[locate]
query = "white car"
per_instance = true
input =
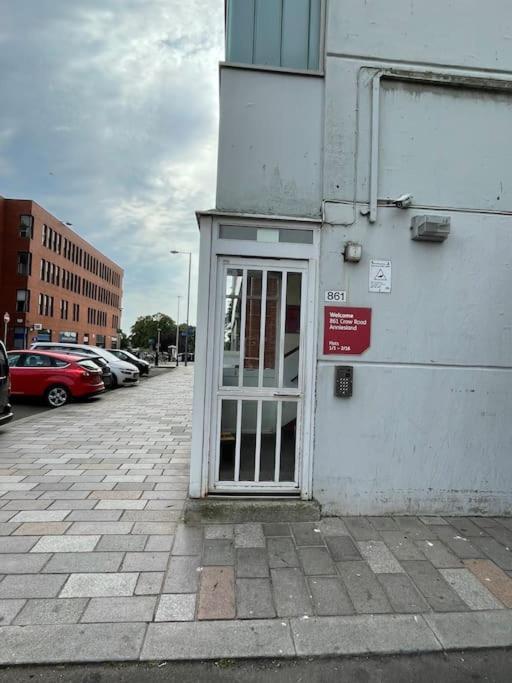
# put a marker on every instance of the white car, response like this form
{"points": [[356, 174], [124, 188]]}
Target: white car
{"points": [[123, 373]]}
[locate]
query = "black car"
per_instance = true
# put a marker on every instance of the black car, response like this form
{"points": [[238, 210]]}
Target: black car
{"points": [[5, 407], [143, 365], [100, 362]]}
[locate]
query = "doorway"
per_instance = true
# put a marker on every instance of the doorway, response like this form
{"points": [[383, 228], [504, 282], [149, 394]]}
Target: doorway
{"points": [[258, 413]]}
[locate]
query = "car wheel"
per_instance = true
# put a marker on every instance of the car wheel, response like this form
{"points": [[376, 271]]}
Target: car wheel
{"points": [[57, 396]]}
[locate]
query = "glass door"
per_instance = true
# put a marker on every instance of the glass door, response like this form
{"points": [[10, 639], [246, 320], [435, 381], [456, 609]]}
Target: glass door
{"points": [[259, 401]]}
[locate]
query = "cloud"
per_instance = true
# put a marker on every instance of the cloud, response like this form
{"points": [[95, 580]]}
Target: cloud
{"points": [[109, 120]]}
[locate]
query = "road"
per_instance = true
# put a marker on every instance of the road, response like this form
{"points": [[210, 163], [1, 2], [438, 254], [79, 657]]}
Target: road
{"points": [[492, 666], [30, 408]]}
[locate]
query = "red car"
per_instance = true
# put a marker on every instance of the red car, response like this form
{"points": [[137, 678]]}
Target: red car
{"points": [[56, 377]]}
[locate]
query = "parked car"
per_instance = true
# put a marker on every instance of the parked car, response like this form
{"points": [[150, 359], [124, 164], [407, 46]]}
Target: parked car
{"points": [[5, 407], [143, 365], [56, 377], [123, 373], [106, 372]]}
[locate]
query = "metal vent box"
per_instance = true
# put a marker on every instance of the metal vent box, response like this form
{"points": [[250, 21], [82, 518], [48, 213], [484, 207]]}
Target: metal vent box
{"points": [[430, 228]]}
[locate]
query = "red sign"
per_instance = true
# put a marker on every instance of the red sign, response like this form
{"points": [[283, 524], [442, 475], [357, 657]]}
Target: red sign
{"points": [[347, 331]]}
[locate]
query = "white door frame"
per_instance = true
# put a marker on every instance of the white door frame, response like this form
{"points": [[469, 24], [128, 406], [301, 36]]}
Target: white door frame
{"points": [[209, 311], [269, 394]]}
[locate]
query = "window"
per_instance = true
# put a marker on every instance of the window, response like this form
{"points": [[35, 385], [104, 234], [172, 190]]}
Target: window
{"points": [[60, 363], [22, 300], [64, 309], [26, 227], [13, 359], [44, 235], [76, 313], [24, 263], [283, 33], [36, 360]]}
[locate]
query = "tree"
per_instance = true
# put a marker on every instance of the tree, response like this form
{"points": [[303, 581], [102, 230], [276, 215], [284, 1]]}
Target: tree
{"points": [[144, 332], [124, 341]]}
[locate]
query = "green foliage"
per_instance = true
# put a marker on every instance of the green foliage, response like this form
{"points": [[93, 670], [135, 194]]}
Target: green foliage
{"points": [[144, 333]]}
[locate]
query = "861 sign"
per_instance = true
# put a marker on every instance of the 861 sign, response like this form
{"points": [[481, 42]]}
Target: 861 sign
{"points": [[335, 296]]}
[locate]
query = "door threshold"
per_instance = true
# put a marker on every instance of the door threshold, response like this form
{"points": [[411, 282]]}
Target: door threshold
{"points": [[237, 509]]}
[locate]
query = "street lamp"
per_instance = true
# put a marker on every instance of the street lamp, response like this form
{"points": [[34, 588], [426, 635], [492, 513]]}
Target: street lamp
{"points": [[189, 253], [158, 318], [177, 330]]}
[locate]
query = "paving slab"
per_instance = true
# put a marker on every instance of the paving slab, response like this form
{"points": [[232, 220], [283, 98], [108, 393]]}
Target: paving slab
{"points": [[472, 629], [71, 643], [254, 599], [149, 583], [249, 535], [437, 554], [498, 553], [183, 575], [491, 576], [70, 563], [379, 557], [8, 610], [51, 611], [282, 553], [31, 585], [361, 529], [403, 595], [365, 592], [329, 597], [178, 607], [307, 533], [99, 585], [129, 609], [188, 540], [277, 529], [66, 544], [362, 634], [145, 562], [218, 552], [291, 594], [216, 598], [22, 563], [218, 640], [430, 582], [252, 563], [458, 544], [316, 561], [342, 548], [470, 589]]}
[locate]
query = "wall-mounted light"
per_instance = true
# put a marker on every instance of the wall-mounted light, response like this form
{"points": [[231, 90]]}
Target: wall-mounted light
{"points": [[352, 252], [430, 228]]}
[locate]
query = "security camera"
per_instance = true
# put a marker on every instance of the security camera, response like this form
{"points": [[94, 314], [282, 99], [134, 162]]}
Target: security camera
{"points": [[403, 202]]}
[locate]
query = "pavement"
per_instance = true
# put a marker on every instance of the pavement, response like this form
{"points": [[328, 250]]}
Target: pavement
{"points": [[26, 407], [96, 565]]}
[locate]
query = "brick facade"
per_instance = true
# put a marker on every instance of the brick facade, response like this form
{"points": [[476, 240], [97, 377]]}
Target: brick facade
{"points": [[53, 283]]}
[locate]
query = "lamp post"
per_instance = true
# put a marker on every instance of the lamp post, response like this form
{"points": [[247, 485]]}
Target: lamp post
{"points": [[178, 330], [189, 253], [158, 319]]}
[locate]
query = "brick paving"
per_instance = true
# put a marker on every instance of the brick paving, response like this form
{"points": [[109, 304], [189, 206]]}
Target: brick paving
{"points": [[91, 498]]}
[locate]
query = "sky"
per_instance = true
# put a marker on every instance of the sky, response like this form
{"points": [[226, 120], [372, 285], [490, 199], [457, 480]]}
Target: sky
{"points": [[108, 119]]}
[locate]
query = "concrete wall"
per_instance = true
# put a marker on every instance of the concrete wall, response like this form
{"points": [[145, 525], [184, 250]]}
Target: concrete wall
{"points": [[428, 427], [270, 143]]}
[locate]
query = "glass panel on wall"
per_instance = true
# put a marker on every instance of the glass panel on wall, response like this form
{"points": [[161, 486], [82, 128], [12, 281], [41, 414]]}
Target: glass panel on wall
{"points": [[248, 440], [288, 440], [228, 440], [252, 328], [268, 440], [232, 326], [291, 348], [272, 330], [283, 33]]}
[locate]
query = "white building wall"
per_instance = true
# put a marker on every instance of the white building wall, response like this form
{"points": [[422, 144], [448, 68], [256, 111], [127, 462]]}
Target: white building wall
{"points": [[270, 143], [428, 428]]}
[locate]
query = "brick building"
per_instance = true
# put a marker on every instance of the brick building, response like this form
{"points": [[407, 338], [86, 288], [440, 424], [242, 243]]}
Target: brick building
{"points": [[54, 285]]}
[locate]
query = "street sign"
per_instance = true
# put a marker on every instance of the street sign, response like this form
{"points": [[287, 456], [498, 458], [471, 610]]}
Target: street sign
{"points": [[7, 318], [347, 331]]}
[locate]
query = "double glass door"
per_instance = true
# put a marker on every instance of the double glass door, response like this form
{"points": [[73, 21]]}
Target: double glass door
{"points": [[259, 390]]}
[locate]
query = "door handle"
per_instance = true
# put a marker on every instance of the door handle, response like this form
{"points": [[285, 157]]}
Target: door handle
{"points": [[279, 394]]}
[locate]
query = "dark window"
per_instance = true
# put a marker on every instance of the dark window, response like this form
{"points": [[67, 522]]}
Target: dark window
{"points": [[13, 359], [24, 263], [26, 227], [59, 363], [22, 300]]}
